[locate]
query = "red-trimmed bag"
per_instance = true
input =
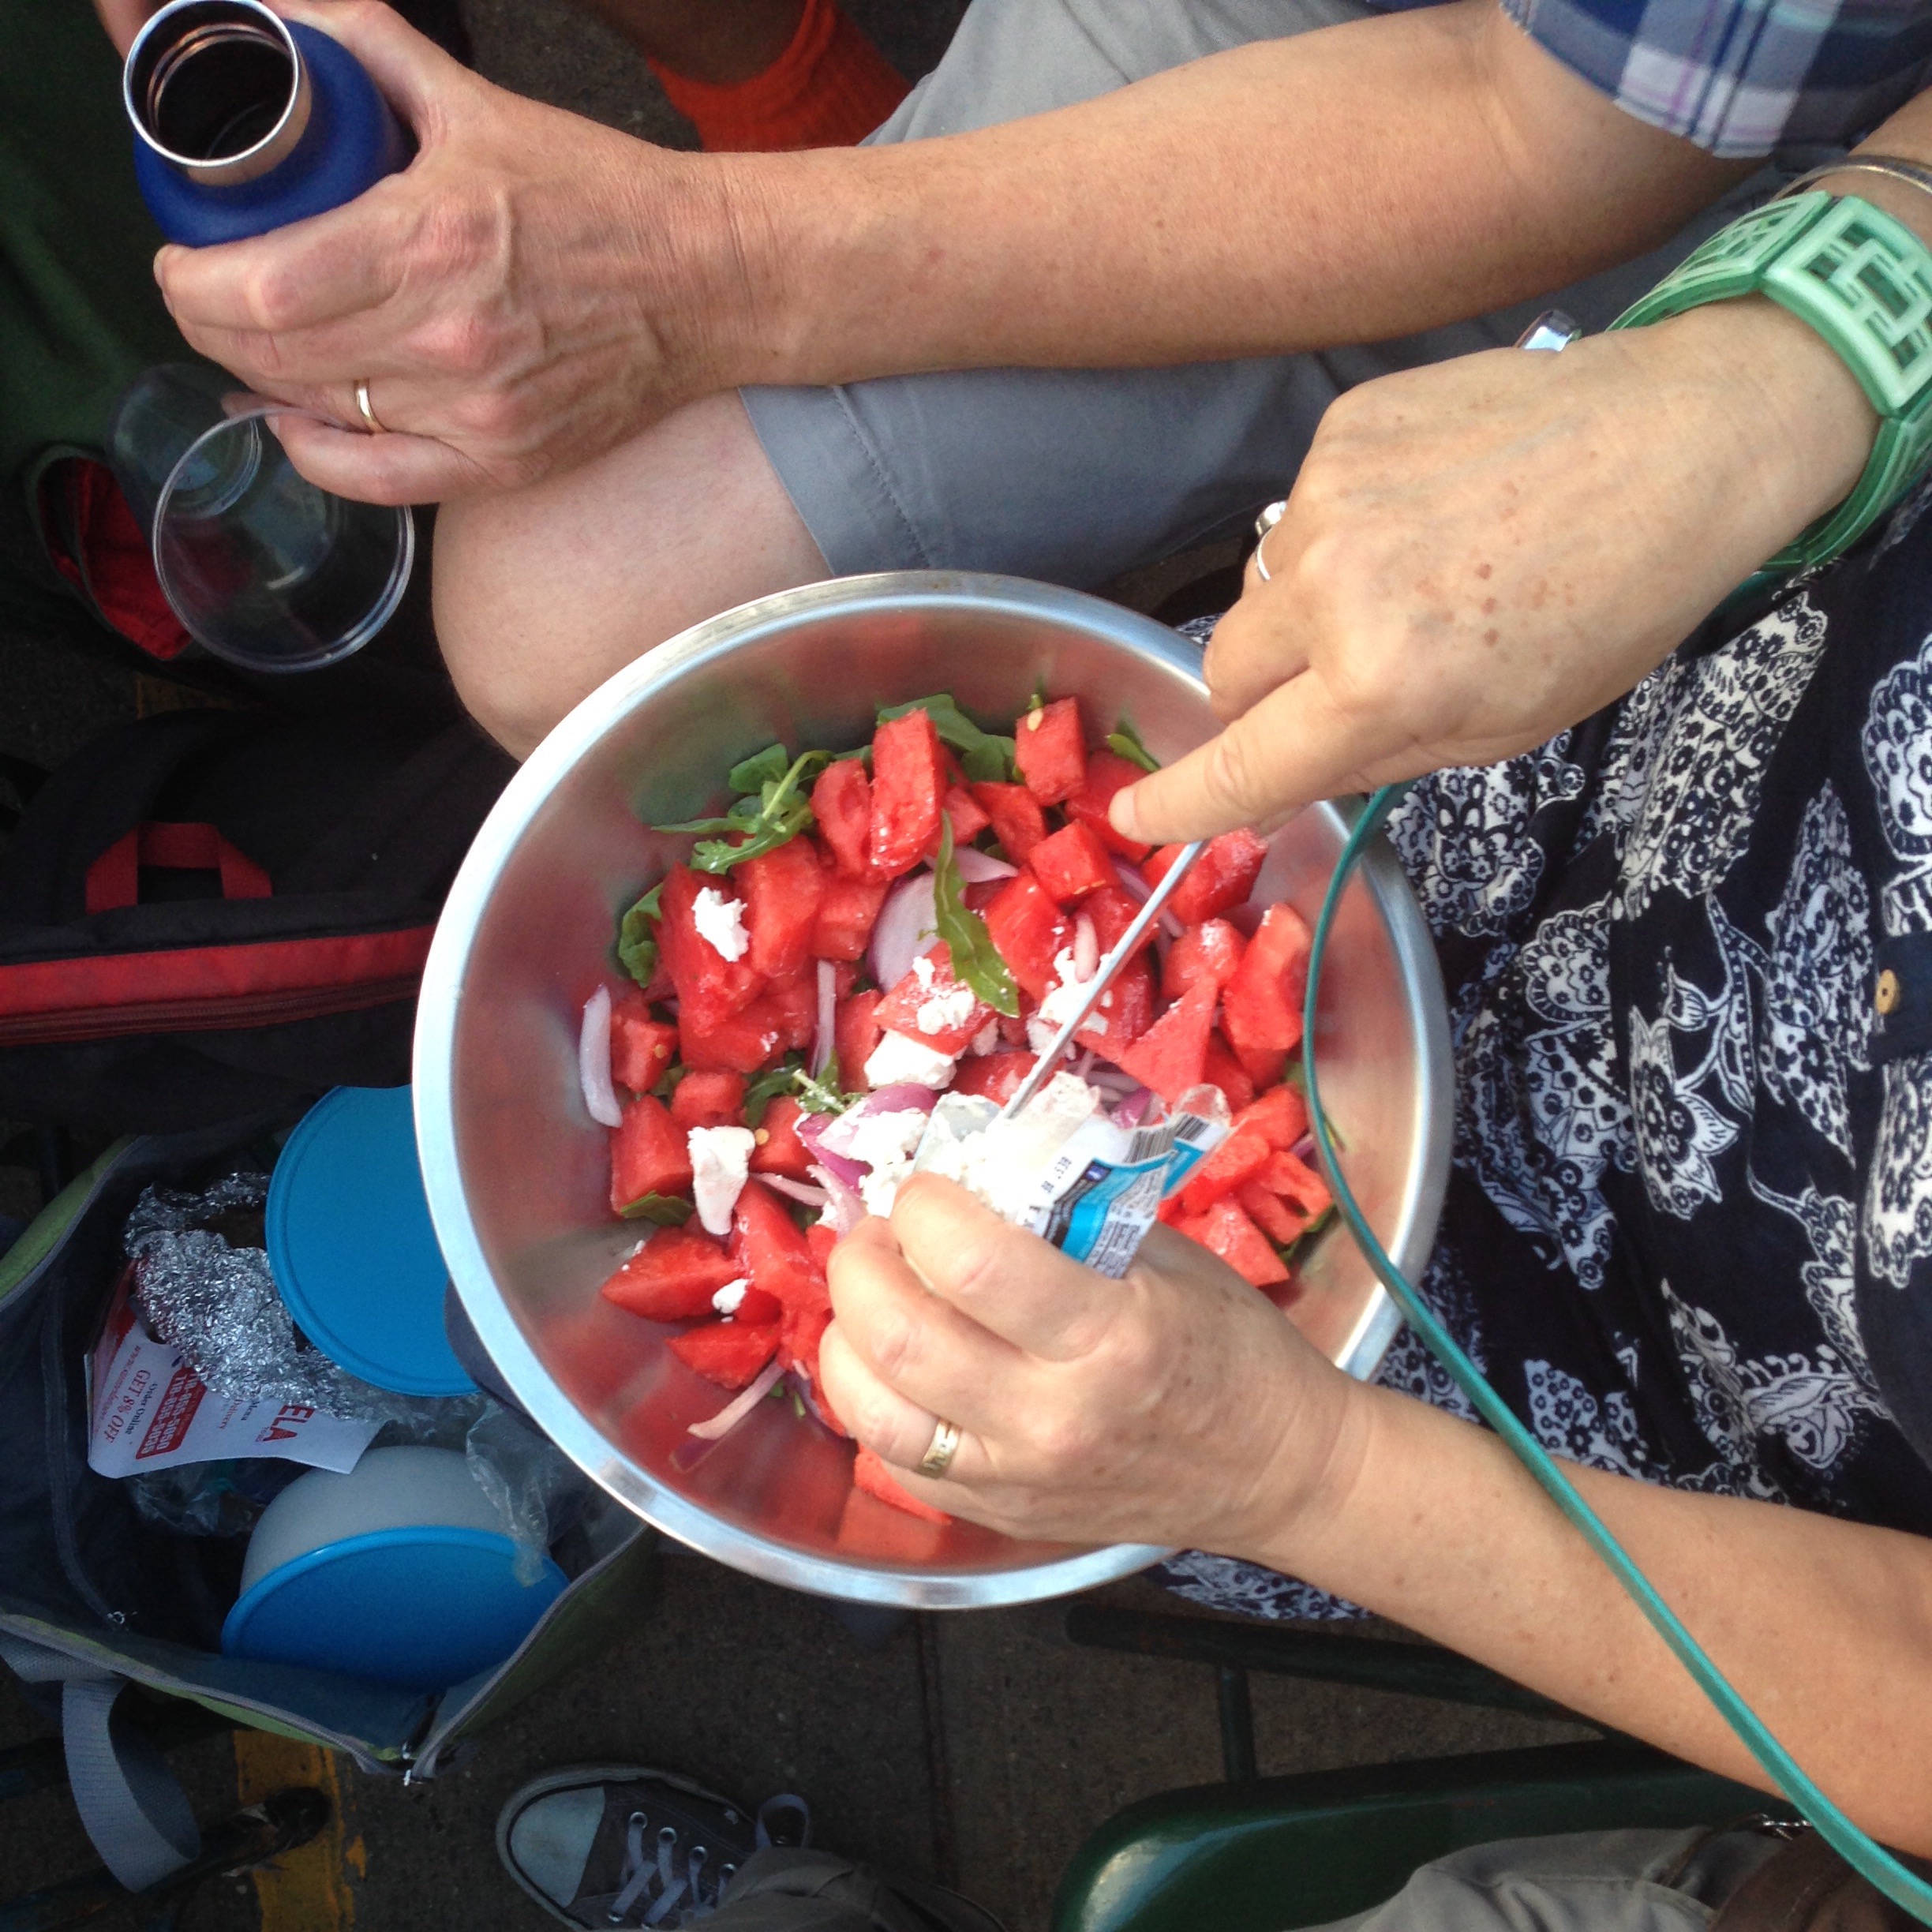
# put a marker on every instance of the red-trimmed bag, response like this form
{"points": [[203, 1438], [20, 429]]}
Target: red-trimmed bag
{"points": [[204, 915]]}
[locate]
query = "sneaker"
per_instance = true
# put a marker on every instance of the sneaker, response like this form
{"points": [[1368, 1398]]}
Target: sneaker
{"points": [[604, 1845]]}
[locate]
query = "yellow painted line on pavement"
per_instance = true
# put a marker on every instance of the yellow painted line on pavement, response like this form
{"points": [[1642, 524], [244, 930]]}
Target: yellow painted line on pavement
{"points": [[307, 1889]]}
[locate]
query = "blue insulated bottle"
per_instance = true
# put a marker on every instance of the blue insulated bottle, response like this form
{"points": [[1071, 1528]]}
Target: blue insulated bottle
{"points": [[243, 121]]}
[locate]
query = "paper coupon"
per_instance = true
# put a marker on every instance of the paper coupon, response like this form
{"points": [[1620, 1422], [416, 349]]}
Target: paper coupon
{"points": [[149, 1410]]}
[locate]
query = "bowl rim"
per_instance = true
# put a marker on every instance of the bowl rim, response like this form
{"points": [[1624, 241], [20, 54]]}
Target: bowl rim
{"points": [[440, 1002]]}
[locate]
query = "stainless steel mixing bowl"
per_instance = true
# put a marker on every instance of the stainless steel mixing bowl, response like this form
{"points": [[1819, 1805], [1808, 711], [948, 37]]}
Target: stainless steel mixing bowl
{"points": [[517, 1173]]}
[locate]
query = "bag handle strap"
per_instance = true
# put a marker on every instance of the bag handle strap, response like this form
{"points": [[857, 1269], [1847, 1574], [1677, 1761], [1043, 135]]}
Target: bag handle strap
{"points": [[136, 1814], [113, 879]]}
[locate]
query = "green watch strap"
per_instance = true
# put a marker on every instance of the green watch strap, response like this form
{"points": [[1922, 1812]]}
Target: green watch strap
{"points": [[1864, 282]]}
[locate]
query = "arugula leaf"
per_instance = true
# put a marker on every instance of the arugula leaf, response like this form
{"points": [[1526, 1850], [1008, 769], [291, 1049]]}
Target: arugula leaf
{"points": [[1291, 1253], [667, 1080], [756, 825], [824, 1094], [764, 1088], [1125, 741], [665, 1210], [975, 959], [985, 757], [749, 777], [637, 944]]}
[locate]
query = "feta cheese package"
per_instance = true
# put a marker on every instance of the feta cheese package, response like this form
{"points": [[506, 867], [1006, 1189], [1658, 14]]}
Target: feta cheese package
{"points": [[1068, 1170]]}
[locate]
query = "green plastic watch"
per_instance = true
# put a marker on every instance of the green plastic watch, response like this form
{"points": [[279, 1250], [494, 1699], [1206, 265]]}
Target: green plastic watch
{"points": [[1864, 282]]}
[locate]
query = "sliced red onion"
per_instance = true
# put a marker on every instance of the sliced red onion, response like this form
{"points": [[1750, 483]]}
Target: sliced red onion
{"points": [[825, 1034], [1086, 949], [844, 1208], [978, 868], [796, 1190], [812, 1130], [1132, 883], [904, 929], [593, 1073], [837, 1136], [741, 1404], [1111, 1081], [1170, 924], [1133, 1110], [1084, 1066], [1304, 1152]]}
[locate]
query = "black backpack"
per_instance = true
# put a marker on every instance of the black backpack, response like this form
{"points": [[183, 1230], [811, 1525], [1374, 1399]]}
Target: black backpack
{"points": [[207, 914]]}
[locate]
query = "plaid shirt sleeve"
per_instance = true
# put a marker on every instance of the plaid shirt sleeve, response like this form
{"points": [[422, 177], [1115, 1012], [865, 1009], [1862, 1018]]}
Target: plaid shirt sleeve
{"points": [[1741, 77]]}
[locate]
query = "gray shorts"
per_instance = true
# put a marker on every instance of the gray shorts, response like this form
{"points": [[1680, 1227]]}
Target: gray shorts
{"points": [[1075, 476]]}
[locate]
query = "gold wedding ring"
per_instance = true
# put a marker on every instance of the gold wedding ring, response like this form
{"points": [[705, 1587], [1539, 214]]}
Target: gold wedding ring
{"points": [[368, 414], [944, 1446]]}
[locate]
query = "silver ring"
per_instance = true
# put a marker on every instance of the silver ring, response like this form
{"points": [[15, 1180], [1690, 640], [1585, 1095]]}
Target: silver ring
{"points": [[1552, 330], [940, 1452], [1263, 523], [376, 428]]}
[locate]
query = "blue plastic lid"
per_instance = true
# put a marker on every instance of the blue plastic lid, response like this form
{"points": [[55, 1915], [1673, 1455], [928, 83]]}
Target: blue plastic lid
{"points": [[421, 1609], [351, 1245]]}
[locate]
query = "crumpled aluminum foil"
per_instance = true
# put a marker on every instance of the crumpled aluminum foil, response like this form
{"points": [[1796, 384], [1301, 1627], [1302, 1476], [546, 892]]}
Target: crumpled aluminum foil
{"points": [[218, 1304]]}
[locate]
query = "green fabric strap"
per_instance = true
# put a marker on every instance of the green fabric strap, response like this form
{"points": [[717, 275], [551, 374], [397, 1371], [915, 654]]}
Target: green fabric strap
{"points": [[1864, 282], [1863, 1853]]}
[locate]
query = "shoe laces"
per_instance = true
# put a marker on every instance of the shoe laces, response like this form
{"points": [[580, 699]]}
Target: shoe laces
{"points": [[650, 1884]]}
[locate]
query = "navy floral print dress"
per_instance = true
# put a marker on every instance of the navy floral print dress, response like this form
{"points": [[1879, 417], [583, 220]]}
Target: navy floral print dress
{"points": [[1687, 947]]}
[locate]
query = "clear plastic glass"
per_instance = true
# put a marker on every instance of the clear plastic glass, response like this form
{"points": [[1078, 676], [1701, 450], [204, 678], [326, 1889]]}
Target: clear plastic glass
{"points": [[264, 569]]}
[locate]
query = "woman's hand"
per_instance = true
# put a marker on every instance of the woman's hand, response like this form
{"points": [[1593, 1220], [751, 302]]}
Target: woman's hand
{"points": [[1480, 552], [526, 293], [1177, 1407]]}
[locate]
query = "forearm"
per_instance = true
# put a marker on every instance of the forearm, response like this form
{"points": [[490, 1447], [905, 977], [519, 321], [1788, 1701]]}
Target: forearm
{"points": [[1345, 185], [1824, 1626]]}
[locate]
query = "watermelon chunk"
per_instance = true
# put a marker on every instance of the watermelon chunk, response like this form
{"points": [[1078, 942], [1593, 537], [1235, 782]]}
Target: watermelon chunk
{"points": [[870, 1474], [1222, 1069], [710, 987], [909, 781], [1018, 822], [1212, 950], [1170, 1055], [1107, 774], [1281, 1115], [740, 1043], [708, 1099], [729, 1353], [1295, 1181], [855, 1035], [1280, 1223], [801, 1331], [1127, 1006], [928, 992], [1222, 876], [995, 1076], [1050, 749], [1225, 1230], [1112, 911], [842, 803], [1262, 1007], [641, 1047], [1239, 1157], [968, 815], [648, 1154], [1071, 863], [793, 1004], [781, 889], [1264, 1065], [769, 1247], [848, 911], [673, 1277], [779, 1150], [1028, 930]]}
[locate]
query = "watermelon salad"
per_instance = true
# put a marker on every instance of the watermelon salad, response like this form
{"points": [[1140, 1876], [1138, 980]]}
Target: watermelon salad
{"points": [[862, 929]]}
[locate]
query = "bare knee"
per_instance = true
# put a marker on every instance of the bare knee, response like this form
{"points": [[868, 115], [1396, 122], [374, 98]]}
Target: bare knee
{"points": [[542, 593]]}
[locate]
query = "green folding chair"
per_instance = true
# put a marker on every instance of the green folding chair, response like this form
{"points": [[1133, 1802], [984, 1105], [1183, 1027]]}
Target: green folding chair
{"points": [[1263, 1855]]}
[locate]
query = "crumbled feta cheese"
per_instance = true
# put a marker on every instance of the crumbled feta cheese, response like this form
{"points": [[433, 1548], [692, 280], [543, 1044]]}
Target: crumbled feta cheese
{"points": [[899, 1058], [1001, 1162], [945, 1011], [720, 1158], [1062, 1002], [986, 1040], [885, 1143], [720, 923], [728, 1297]]}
